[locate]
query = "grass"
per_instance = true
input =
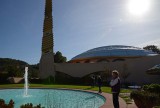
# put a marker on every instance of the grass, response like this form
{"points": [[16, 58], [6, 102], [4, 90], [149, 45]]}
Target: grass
{"points": [[104, 89], [128, 100]]}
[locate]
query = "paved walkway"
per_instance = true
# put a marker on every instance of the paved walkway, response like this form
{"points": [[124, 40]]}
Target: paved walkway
{"points": [[132, 105], [109, 103]]}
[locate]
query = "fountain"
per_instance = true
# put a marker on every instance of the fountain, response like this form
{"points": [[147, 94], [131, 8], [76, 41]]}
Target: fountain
{"points": [[26, 82], [52, 97]]}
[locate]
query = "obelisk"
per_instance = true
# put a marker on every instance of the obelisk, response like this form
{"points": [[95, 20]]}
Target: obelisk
{"points": [[46, 65]]}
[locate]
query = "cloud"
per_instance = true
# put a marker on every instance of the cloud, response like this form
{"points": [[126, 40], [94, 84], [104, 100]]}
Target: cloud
{"points": [[152, 42]]}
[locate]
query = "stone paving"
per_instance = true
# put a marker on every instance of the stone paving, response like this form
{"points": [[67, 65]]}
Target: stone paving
{"points": [[109, 103]]}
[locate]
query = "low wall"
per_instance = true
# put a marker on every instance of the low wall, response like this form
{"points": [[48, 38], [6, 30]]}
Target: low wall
{"points": [[135, 67]]}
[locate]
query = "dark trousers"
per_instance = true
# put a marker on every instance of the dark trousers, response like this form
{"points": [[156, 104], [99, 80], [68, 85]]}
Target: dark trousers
{"points": [[115, 100], [100, 91], [99, 86]]}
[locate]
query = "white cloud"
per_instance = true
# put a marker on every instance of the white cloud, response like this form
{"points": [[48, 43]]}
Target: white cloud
{"points": [[152, 42]]}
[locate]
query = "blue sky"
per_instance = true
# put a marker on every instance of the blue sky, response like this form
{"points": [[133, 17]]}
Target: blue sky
{"points": [[79, 25]]}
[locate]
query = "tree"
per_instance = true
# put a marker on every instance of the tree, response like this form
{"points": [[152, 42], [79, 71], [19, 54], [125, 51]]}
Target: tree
{"points": [[13, 71], [59, 58], [153, 48], [34, 70]]}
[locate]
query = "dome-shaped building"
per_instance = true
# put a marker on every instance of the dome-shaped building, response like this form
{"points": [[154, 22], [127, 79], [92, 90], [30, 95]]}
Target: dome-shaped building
{"points": [[111, 53]]}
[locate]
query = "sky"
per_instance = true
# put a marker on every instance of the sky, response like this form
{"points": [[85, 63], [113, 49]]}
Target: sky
{"points": [[78, 25]]}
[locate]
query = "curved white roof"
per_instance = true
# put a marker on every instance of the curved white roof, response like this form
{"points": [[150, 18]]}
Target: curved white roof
{"points": [[115, 51]]}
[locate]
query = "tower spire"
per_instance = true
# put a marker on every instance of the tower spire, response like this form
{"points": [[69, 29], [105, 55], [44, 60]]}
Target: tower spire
{"points": [[47, 40], [46, 66]]}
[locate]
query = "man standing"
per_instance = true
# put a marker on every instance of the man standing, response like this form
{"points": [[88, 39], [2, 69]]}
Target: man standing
{"points": [[115, 86], [99, 81]]}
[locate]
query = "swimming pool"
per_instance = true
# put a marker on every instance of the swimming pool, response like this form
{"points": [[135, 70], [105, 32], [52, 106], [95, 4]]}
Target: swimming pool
{"points": [[53, 98]]}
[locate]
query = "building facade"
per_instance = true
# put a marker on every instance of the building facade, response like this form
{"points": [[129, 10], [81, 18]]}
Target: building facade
{"points": [[131, 71], [131, 62]]}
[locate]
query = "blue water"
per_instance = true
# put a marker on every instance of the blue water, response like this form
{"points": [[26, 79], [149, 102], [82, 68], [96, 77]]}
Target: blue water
{"points": [[53, 98]]}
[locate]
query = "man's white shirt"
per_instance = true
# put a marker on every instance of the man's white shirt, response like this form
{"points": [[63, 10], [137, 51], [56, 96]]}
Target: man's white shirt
{"points": [[114, 81]]}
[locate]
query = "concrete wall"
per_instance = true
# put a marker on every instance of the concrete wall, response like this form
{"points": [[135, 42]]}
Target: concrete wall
{"points": [[46, 66], [136, 67]]}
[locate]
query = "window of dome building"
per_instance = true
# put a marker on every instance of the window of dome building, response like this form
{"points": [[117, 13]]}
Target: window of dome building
{"points": [[118, 60], [103, 60]]}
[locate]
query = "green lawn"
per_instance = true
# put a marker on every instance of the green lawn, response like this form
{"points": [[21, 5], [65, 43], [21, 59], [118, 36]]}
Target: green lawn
{"points": [[104, 89]]}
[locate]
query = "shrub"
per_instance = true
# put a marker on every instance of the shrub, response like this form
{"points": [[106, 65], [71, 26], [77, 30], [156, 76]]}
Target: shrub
{"points": [[156, 107], [30, 105], [49, 80], [153, 88], [4, 105], [148, 97]]}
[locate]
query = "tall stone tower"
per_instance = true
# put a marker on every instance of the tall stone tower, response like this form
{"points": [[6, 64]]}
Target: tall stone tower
{"points": [[47, 58]]}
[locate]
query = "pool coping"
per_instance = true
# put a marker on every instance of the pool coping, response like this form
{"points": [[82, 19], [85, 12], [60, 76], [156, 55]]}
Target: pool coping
{"points": [[108, 97]]}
